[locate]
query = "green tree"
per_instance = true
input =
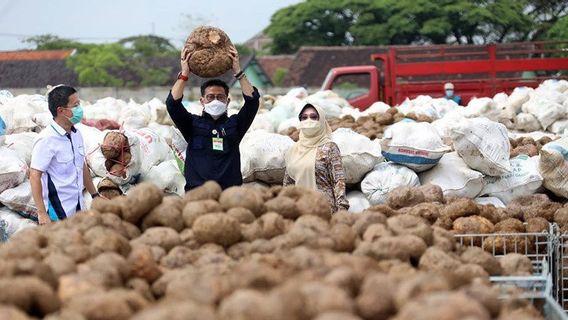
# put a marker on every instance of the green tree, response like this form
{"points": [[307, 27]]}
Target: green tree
{"points": [[149, 46], [244, 51], [545, 14], [314, 22], [95, 67], [53, 42], [278, 77], [385, 22], [559, 30], [131, 61]]}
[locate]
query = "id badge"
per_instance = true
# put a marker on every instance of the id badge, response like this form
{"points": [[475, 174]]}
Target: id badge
{"points": [[218, 144]]}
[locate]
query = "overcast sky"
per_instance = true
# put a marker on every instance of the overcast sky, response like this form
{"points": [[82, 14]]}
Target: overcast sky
{"points": [[110, 20]]}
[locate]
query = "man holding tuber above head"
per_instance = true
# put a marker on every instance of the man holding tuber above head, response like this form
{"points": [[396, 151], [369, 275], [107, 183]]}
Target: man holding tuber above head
{"points": [[213, 138]]}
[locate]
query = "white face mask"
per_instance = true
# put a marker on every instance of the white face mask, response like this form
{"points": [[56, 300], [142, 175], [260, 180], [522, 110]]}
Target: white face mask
{"points": [[216, 108], [309, 127]]}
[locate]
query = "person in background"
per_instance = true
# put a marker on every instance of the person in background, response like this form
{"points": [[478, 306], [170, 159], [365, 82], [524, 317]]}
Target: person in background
{"points": [[449, 90], [58, 171], [213, 138], [314, 162]]}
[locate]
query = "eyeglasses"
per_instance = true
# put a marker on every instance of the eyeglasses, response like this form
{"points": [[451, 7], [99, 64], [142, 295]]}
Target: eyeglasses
{"points": [[220, 97], [312, 116], [72, 107]]}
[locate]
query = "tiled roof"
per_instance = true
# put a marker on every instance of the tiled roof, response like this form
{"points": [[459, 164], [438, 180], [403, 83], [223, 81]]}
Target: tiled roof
{"points": [[35, 74], [312, 64], [35, 55], [271, 63]]}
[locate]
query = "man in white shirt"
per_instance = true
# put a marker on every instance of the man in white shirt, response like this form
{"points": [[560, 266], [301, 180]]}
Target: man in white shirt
{"points": [[58, 171]]}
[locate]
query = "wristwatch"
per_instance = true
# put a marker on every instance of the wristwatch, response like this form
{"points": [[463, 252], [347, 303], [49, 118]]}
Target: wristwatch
{"points": [[182, 77]]}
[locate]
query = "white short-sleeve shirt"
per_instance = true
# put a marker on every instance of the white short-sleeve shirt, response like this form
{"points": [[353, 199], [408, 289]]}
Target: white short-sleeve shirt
{"points": [[60, 156]]}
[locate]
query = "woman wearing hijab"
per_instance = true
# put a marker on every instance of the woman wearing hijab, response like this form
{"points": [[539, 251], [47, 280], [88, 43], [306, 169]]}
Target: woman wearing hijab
{"points": [[314, 162]]}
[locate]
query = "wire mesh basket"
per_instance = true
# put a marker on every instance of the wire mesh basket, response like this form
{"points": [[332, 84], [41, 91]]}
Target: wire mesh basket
{"points": [[538, 247], [533, 286], [549, 308], [561, 270]]}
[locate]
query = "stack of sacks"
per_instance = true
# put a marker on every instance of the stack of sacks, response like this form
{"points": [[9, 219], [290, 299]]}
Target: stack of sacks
{"points": [[20, 112], [107, 108], [262, 157], [553, 166], [159, 113], [358, 153], [135, 116], [416, 145], [384, 178], [435, 108], [124, 157], [543, 108], [285, 109]]}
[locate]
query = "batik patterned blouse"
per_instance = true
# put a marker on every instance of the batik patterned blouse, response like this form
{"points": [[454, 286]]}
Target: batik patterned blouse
{"points": [[330, 176]]}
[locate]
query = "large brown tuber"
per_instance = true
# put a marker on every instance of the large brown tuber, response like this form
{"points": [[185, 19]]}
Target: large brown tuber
{"points": [[248, 198], [208, 48], [140, 201], [210, 190], [166, 214], [405, 197], [217, 228]]}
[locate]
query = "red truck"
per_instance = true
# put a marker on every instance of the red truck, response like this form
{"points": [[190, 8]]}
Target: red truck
{"points": [[402, 72]]}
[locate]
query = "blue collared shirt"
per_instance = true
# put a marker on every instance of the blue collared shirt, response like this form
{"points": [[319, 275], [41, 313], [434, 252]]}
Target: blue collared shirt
{"points": [[60, 156]]}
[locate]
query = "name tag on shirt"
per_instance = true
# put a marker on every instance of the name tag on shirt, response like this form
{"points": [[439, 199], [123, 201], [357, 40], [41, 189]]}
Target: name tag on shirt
{"points": [[218, 144]]}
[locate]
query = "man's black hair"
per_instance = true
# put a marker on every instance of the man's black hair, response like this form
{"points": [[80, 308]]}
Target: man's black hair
{"points": [[214, 83], [59, 97]]}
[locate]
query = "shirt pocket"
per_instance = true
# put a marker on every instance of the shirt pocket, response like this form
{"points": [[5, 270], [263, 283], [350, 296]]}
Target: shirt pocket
{"points": [[81, 157], [64, 163], [230, 137]]}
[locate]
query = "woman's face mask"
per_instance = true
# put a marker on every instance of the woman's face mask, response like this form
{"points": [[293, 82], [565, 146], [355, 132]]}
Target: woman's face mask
{"points": [[309, 127], [449, 92], [216, 108]]}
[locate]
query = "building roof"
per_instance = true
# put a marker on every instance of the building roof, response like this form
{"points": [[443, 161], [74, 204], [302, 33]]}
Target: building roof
{"points": [[19, 70], [35, 68], [258, 42], [27, 55], [272, 63], [35, 74], [312, 64]]}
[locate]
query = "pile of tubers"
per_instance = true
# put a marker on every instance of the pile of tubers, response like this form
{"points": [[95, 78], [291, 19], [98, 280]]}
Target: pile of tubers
{"points": [[258, 253]]}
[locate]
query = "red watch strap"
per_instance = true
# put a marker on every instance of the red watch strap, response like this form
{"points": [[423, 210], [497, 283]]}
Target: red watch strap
{"points": [[182, 77]]}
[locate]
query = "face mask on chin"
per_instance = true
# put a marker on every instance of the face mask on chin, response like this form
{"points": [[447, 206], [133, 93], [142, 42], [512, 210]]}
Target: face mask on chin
{"points": [[215, 108], [309, 127]]}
